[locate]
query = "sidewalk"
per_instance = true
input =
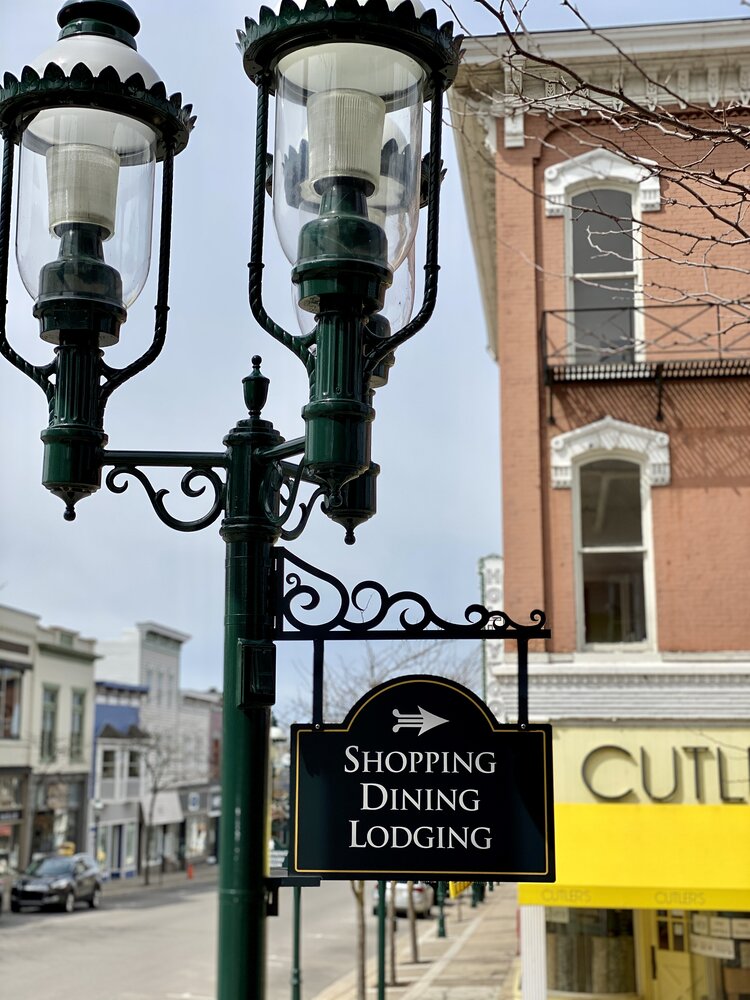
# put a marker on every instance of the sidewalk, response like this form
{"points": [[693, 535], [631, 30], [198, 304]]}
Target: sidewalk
{"points": [[471, 963], [168, 880]]}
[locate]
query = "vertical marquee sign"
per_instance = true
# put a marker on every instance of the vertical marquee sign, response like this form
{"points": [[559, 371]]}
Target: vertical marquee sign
{"points": [[421, 780]]}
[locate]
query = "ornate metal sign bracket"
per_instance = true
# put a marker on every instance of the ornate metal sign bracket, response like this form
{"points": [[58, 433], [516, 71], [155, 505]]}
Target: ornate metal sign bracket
{"points": [[364, 612]]}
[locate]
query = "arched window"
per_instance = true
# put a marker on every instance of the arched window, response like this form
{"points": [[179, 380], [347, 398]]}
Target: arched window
{"points": [[611, 551], [612, 467], [602, 275], [602, 196]]}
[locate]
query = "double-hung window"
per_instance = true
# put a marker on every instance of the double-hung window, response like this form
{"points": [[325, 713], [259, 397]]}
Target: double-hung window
{"points": [[48, 743], [77, 715], [602, 196], [612, 551], [603, 277], [612, 468], [109, 758]]}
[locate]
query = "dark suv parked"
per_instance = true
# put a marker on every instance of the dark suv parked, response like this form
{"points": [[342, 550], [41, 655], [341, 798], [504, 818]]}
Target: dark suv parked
{"points": [[58, 881]]}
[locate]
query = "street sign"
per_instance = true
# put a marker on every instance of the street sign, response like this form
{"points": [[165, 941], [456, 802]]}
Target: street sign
{"points": [[421, 780]]}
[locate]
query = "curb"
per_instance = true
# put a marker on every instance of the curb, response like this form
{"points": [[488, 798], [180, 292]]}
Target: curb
{"points": [[206, 874]]}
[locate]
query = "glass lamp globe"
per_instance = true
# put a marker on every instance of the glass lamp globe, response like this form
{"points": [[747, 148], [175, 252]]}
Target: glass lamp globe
{"points": [[348, 113], [86, 175]]}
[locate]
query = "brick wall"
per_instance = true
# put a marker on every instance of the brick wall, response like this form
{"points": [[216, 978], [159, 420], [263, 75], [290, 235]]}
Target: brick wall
{"points": [[701, 549]]}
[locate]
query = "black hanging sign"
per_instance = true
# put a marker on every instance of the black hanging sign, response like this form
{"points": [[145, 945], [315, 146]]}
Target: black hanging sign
{"points": [[420, 780]]}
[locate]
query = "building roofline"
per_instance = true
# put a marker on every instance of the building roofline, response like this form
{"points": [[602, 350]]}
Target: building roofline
{"points": [[121, 686], [213, 697], [484, 103], [652, 40], [165, 630]]}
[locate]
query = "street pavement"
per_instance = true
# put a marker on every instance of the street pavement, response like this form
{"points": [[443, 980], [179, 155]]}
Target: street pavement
{"points": [[473, 962]]}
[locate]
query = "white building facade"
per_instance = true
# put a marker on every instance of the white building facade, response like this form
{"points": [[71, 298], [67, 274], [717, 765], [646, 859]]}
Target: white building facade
{"points": [[46, 725], [178, 794]]}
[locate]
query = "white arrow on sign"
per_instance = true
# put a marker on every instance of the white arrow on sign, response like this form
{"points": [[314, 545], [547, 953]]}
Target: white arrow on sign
{"points": [[423, 721]]}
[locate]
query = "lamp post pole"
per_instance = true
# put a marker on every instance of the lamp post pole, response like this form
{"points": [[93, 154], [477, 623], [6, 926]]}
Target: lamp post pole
{"points": [[92, 118], [442, 888], [249, 681]]}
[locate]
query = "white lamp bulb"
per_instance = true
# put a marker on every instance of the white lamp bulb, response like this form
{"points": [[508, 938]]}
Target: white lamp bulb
{"points": [[346, 135], [82, 185]]}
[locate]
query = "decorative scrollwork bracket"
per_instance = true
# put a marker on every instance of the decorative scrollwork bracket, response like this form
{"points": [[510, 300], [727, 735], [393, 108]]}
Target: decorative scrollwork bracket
{"points": [[200, 467], [284, 484], [345, 615]]}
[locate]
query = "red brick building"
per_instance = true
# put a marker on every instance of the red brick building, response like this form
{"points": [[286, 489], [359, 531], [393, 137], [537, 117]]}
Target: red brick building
{"points": [[615, 274]]}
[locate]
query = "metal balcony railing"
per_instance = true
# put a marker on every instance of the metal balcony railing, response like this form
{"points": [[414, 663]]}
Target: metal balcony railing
{"points": [[671, 341]]}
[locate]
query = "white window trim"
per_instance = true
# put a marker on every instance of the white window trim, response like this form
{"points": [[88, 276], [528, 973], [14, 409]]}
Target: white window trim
{"points": [[607, 435], [610, 438], [598, 168]]}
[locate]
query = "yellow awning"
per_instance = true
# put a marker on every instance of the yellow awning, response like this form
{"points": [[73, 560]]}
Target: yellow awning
{"points": [[649, 856]]}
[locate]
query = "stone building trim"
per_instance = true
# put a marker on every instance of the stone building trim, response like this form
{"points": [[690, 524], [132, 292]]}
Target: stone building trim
{"points": [[608, 691], [600, 166], [608, 435]]}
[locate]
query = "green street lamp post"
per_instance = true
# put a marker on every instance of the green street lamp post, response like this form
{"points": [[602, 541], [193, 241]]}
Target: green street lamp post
{"points": [[90, 120], [442, 889]]}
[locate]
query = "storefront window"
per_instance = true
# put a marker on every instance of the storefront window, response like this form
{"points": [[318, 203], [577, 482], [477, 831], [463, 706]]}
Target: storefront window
{"points": [[10, 793], [102, 846], [130, 842], [590, 951], [9, 838], [719, 943], [195, 837]]}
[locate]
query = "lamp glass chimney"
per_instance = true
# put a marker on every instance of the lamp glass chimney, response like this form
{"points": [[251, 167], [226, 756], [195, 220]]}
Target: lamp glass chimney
{"points": [[86, 168], [348, 112]]}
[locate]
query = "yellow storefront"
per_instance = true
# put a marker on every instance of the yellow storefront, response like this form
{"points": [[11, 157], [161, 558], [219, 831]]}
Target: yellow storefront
{"points": [[653, 866]]}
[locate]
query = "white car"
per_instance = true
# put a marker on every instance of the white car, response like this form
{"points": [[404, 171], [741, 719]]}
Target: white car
{"points": [[422, 894]]}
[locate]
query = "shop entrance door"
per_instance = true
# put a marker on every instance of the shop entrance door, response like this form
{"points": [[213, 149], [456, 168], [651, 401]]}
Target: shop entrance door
{"points": [[670, 958]]}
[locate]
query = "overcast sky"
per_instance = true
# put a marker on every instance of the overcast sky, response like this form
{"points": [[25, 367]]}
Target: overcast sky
{"points": [[436, 432]]}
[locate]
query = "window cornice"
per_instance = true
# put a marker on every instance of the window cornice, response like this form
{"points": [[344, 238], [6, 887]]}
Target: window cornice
{"points": [[608, 435], [597, 167]]}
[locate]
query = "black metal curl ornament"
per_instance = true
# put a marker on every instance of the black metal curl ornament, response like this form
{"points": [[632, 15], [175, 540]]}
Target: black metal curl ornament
{"points": [[306, 509], [284, 484], [417, 620], [157, 496]]}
